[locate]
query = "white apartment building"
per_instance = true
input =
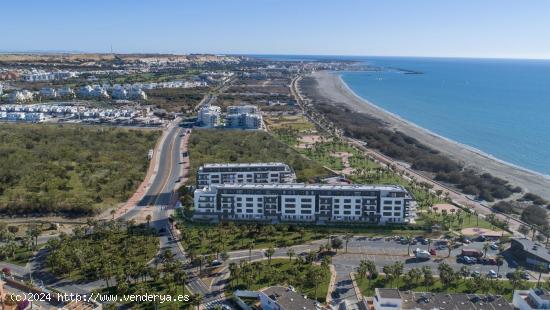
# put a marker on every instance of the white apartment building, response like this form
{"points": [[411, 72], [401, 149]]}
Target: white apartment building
{"points": [[320, 203], [48, 92], [209, 116], [244, 117], [251, 173], [531, 299]]}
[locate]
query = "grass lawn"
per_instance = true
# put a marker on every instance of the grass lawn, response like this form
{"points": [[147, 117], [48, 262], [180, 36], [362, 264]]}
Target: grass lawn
{"points": [[469, 220], [21, 257], [284, 272], [325, 154], [234, 146], [503, 287]]}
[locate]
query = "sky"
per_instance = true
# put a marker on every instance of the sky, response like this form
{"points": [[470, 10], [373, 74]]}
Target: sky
{"points": [[431, 28]]}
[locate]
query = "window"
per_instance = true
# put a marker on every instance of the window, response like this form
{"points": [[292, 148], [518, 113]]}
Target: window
{"points": [[357, 212], [249, 210], [396, 214], [336, 212], [347, 200], [386, 213], [249, 199], [239, 199], [347, 212]]}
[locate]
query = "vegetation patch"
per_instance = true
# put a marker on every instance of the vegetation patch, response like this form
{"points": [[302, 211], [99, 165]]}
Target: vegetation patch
{"points": [[449, 281], [69, 170], [308, 279], [103, 250], [235, 146], [176, 99]]}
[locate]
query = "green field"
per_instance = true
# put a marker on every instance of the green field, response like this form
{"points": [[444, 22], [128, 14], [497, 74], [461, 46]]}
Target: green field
{"points": [[234, 146], [69, 170]]}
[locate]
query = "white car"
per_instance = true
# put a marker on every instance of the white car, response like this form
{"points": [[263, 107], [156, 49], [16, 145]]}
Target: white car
{"points": [[492, 274]]}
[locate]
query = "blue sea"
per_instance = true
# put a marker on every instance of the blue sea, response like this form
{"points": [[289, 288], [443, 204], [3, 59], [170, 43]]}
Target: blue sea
{"points": [[501, 107]]}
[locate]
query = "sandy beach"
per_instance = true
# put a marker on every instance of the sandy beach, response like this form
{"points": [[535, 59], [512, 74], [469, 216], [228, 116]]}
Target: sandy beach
{"points": [[333, 88]]}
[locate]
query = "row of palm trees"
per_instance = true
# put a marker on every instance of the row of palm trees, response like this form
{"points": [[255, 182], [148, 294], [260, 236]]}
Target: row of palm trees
{"points": [[415, 277]]}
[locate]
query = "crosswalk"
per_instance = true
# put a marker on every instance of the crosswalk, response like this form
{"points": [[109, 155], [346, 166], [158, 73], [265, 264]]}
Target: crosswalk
{"points": [[219, 303]]}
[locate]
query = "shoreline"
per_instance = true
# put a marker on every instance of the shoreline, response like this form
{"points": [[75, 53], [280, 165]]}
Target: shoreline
{"points": [[470, 148], [332, 86]]}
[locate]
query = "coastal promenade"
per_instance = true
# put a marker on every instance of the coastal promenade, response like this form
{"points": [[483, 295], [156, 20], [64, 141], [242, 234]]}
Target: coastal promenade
{"points": [[328, 82]]}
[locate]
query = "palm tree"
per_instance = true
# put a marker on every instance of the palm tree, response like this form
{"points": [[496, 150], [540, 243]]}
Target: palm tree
{"points": [[371, 267], [347, 238], [486, 247], [362, 270], [197, 300], [269, 253], [250, 248], [500, 261], [409, 240], [450, 246], [290, 253]]}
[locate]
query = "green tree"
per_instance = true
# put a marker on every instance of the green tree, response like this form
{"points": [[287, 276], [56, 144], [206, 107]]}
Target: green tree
{"points": [[269, 253], [290, 252]]}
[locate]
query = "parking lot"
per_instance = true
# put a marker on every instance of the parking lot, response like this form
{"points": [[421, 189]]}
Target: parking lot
{"points": [[383, 251]]}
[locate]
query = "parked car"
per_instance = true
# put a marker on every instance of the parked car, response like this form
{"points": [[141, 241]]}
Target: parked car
{"points": [[433, 252], [476, 274], [492, 274], [525, 276], [494, 246], [215, 263]]}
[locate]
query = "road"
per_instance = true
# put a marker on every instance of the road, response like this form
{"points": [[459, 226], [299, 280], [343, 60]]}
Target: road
{"points": [[379, 250]]}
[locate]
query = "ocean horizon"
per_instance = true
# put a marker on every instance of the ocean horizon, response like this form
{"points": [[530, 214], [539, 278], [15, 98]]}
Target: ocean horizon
{"points": [[500, 107]]}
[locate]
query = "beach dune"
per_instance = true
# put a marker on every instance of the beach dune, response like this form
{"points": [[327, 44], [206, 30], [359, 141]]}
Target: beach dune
{"points": [[331, 87]]}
